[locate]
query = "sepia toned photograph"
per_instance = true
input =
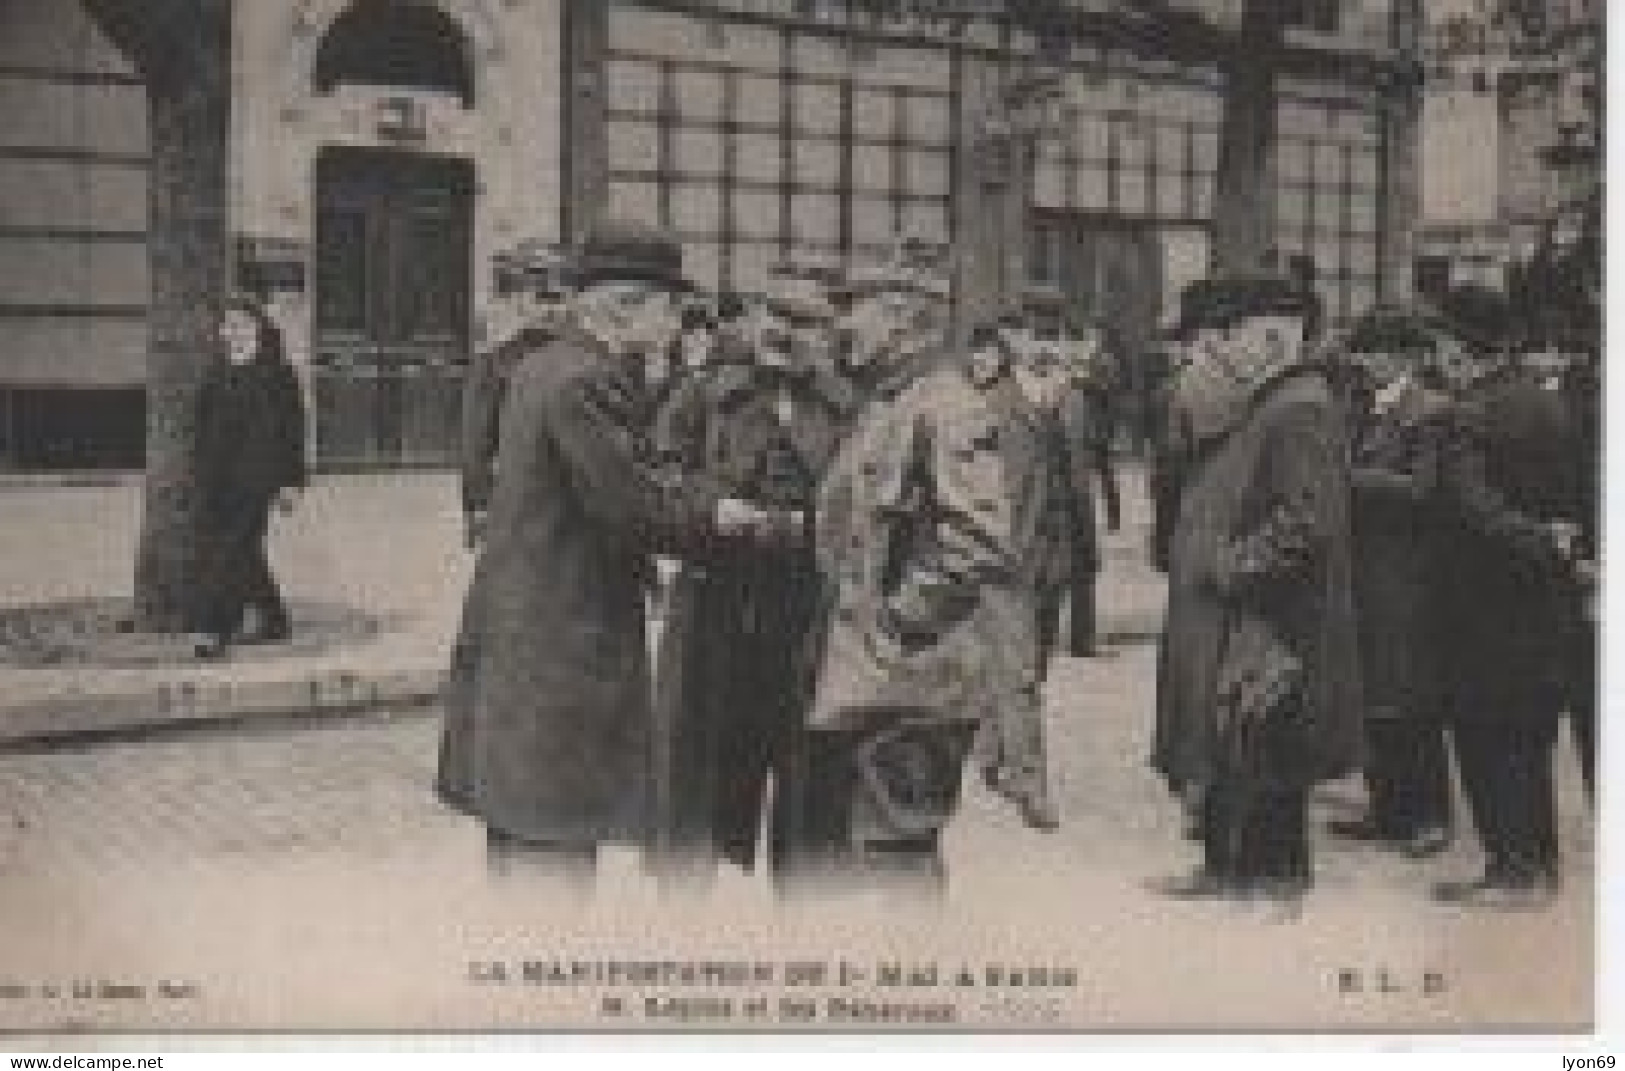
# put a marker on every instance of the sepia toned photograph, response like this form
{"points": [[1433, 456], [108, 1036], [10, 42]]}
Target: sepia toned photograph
{"points": [[799, 516]]}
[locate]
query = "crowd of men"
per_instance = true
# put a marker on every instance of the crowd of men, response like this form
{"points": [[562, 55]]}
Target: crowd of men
{"points": [[861, 522]]}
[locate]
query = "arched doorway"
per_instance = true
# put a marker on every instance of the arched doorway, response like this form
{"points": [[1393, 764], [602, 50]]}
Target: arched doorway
{"points": [[394, 237]]}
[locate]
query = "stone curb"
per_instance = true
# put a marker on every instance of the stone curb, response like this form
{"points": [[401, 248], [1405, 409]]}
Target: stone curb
{"points": [[192, 702]]}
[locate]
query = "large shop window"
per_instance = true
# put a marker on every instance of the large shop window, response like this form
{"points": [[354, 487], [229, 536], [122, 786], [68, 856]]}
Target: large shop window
{"points": [[753, 154]]}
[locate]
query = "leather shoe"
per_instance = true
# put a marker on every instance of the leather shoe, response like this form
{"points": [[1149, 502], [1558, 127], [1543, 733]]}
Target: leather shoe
{"points": [[1039, 812], [210, 650], [1496, 893], [1199, 884]]}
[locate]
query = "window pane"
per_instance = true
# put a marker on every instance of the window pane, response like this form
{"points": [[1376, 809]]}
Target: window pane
{"points": [[1170, 195], [696, 208], [756, 213], [817, 107], [927, 219], [633, 146], [930, 119], [1292, 161], [697, 150], [873, 217], [1367, 169], [638, 202], [1089, 190], [756, 156], [928, 172], [751, 263], [1207, 149], [699, 94], [815, 218], [633, 86], [871, 167], [1089, 137], [1170, 146], [1328, 211], [1131, 192], [872, 115], [1203, 188], [1328, 163], [702, 264], [1134, 145], [1363, 217], [757, 100], [817, 163]]}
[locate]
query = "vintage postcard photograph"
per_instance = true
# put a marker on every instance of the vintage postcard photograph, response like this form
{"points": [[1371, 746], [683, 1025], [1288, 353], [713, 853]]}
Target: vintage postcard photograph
{"points": [[799, 516]]}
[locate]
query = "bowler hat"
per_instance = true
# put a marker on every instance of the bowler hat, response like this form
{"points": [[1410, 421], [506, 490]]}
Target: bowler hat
{"points": [[618, 251], [1227, 301]]}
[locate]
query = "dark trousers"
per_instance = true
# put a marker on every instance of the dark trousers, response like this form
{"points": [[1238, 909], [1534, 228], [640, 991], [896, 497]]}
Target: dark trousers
{"points": [[1079, 595], [773, 603], [752, 747], [238, 574], [1081, 623], [1252, 834], [1407, 775], [1581, 688], [1506, 769]]}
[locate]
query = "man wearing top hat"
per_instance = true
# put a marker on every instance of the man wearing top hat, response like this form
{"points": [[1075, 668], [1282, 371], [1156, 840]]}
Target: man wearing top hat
{"points": [[548, 702], [762, 431], [926, 631], [533, 284], [1258, 690]]}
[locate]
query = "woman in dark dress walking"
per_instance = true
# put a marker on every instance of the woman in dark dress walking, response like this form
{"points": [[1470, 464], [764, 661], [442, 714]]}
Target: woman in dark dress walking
{"points": [[251, 455]]}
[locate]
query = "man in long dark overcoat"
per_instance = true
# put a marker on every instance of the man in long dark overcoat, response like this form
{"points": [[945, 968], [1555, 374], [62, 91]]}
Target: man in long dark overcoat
{"points": [[548, 705], [1513, 510], [1258, 683], [761, 431]]}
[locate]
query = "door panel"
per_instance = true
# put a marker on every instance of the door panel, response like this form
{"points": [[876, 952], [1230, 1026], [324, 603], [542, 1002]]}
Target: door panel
{"points": [[392, 310], [1110, 270]]}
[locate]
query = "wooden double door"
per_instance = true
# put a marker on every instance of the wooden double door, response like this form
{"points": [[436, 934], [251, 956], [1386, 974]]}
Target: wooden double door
{"points": [[392, 311]]}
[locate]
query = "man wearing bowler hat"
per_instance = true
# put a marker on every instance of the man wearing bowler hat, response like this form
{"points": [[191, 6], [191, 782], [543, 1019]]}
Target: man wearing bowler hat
{"points": [[1258, 689], [547, 708]]}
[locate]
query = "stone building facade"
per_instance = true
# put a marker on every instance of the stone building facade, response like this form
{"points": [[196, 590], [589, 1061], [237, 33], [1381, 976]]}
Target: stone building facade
{"points": [[385, 153]]}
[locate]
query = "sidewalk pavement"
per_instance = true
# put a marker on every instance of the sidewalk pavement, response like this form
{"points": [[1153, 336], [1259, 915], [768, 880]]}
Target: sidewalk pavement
{"points": [[389, 545], [386, 544]]}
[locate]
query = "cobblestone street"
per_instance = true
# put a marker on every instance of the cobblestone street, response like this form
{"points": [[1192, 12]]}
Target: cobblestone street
{"points": [[275, 858]]}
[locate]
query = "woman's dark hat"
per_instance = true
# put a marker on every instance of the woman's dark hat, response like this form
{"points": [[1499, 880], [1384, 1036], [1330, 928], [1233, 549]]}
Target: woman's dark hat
{"points": [[616, 252]]}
